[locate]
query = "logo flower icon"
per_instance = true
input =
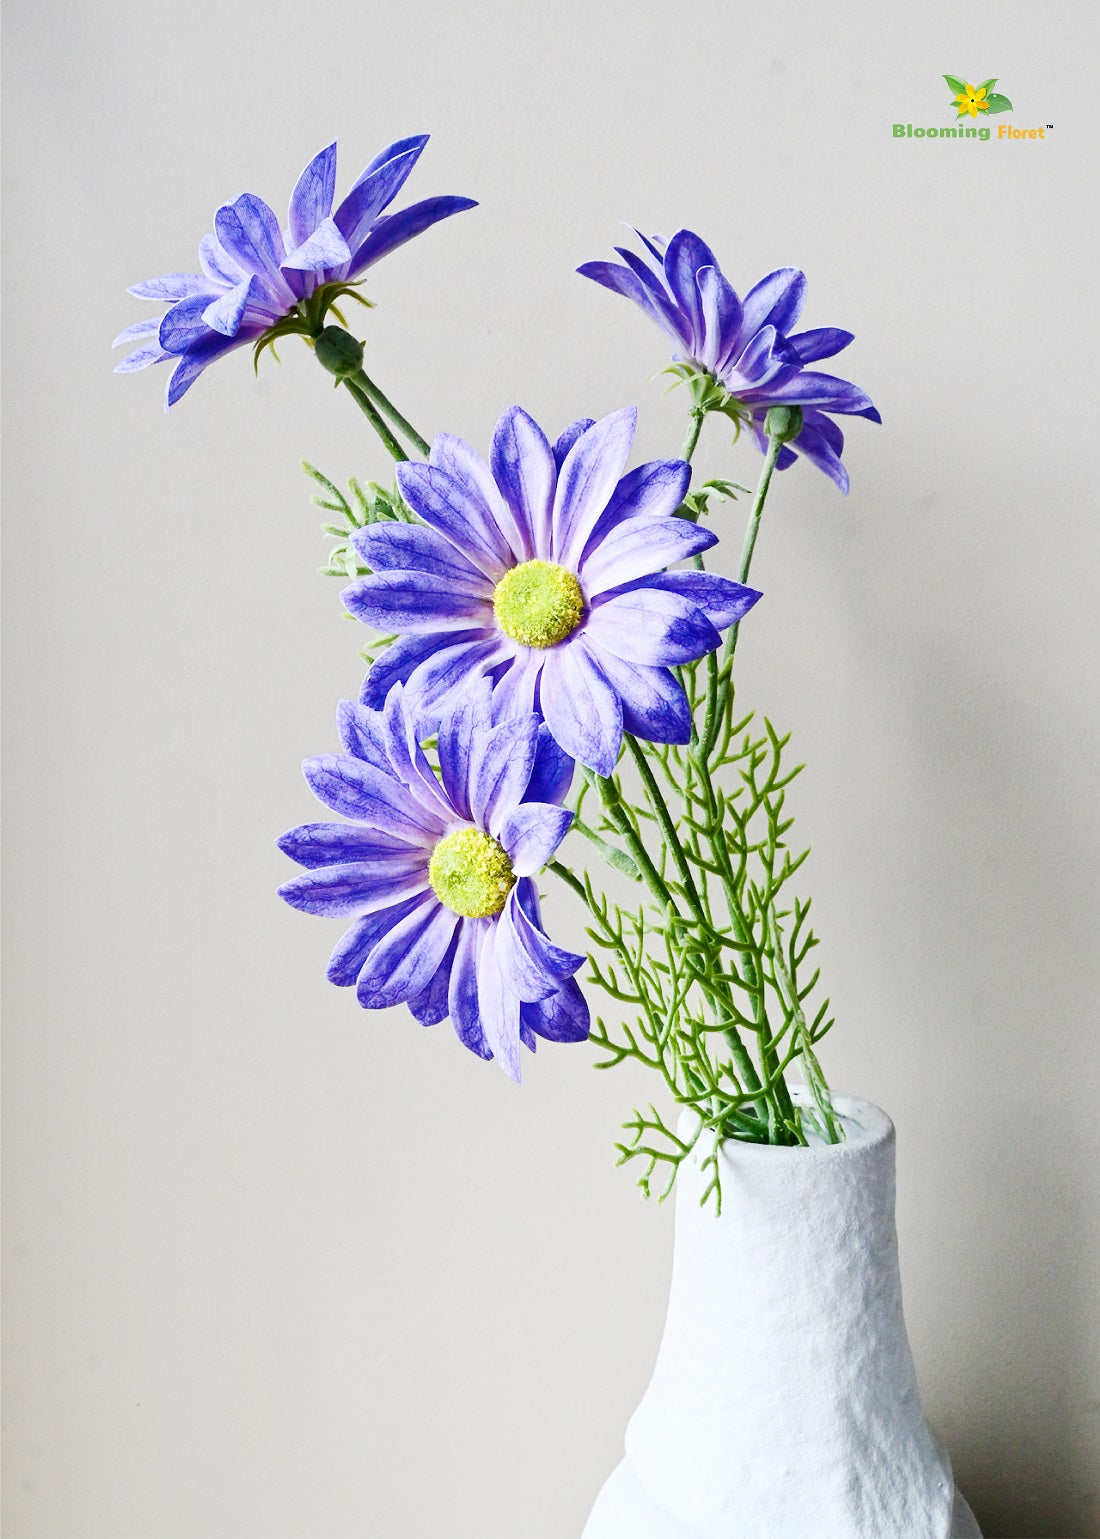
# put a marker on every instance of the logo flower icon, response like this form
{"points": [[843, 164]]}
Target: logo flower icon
{"points": [[970, 100]]}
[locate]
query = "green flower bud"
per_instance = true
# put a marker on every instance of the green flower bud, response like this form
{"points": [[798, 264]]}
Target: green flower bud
{"points": [[339, 352], [783, 423]]}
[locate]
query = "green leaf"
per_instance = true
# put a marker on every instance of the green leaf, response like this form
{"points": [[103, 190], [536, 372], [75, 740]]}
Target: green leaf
{"points": [[957, 85], [998, 103], [987, 85]]}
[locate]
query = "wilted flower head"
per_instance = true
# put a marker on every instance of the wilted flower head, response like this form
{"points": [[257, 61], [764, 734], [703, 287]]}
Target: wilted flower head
{"points": [[546, 571], [747, 347], [438, 873], [257, 278]]}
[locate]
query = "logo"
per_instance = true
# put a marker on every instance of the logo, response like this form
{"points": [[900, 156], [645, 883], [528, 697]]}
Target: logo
{"points": [[970, 100], [973, 106]]}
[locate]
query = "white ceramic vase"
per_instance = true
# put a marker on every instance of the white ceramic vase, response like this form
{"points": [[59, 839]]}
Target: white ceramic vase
{"points": [[784, 1401]]}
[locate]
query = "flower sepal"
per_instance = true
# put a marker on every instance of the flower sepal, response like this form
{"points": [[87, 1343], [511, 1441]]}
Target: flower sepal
{"points": [[708, 394]]}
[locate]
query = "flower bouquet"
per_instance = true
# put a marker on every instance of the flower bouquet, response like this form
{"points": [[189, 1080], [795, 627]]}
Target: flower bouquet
{"points": [[552, 652]]}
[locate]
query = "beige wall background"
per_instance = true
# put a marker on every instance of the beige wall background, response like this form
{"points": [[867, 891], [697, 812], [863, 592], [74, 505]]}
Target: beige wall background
{"points": [[277, 1269]]}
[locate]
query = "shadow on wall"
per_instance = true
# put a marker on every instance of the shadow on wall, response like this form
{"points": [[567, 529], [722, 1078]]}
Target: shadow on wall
{"points": [[1002, 894]]}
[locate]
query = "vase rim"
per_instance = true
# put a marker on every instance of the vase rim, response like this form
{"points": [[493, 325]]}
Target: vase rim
{"points": [[866, 1128]]}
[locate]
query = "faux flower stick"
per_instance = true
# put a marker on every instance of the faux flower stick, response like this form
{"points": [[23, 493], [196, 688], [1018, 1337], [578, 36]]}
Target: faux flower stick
{"points": [[550, 634]]}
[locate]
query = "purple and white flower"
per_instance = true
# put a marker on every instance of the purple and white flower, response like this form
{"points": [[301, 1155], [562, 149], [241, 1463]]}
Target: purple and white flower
{"points": [[748, 345], [254, 274], [545, 570], [438, 872]]}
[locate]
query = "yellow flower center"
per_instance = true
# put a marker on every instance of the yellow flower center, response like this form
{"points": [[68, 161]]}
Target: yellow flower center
{"points": [[538, 603], [471, 874]]}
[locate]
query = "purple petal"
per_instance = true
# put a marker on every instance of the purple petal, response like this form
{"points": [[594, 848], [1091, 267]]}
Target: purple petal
{"points": [[183, 325], [357, 790], [461, 732], [333, 844], [400, 661], [412, 548], [249, 232], [430, 1005], [358, 888], [218, 265], [142, 359], [498, 1007], [523, 467], [722, 315], [325, 248], [395, 229], [640, 546], [466, 521], [685, 255], [562, 1017], [198, 357], [360, 732], [580, 707], [761, 360], [224, 314], [462, 999], [501, 768], [809, 346], [775, 301], [432, 686], [399, 147], [407, 757], [356, 944], [406, 601], [656, 245], [404, 961], [654, 705], [515, 690], [567, 439], [587, 480], [311, 200], [140, 329], [532, 965], [722, 600], [531, 833], [648, 625], [822, 443], [374, 191], [474, 479], [552, 774], [621, 280], [810, 389], [655, 489], [173, 286], [673, 321]]}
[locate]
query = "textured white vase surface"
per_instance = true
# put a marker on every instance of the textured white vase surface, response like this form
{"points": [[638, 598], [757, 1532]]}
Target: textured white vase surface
{"points": [[784, 1401]]}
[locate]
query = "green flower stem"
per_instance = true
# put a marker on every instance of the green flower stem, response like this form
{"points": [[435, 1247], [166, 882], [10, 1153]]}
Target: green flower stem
{"points": [[668, 827], [775, 444], [402, 424], [694, 429], [725, 674], [613, 806], [367, 407]]}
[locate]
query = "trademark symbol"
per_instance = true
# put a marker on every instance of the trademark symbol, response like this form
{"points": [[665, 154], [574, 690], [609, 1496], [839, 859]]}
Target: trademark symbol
{"points": [[1050, 125]]}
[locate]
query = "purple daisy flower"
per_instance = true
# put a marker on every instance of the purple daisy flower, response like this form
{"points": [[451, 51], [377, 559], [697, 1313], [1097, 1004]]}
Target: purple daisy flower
{"points": [[254, 274], [438, 872], [746, 344], [546, 571]]}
